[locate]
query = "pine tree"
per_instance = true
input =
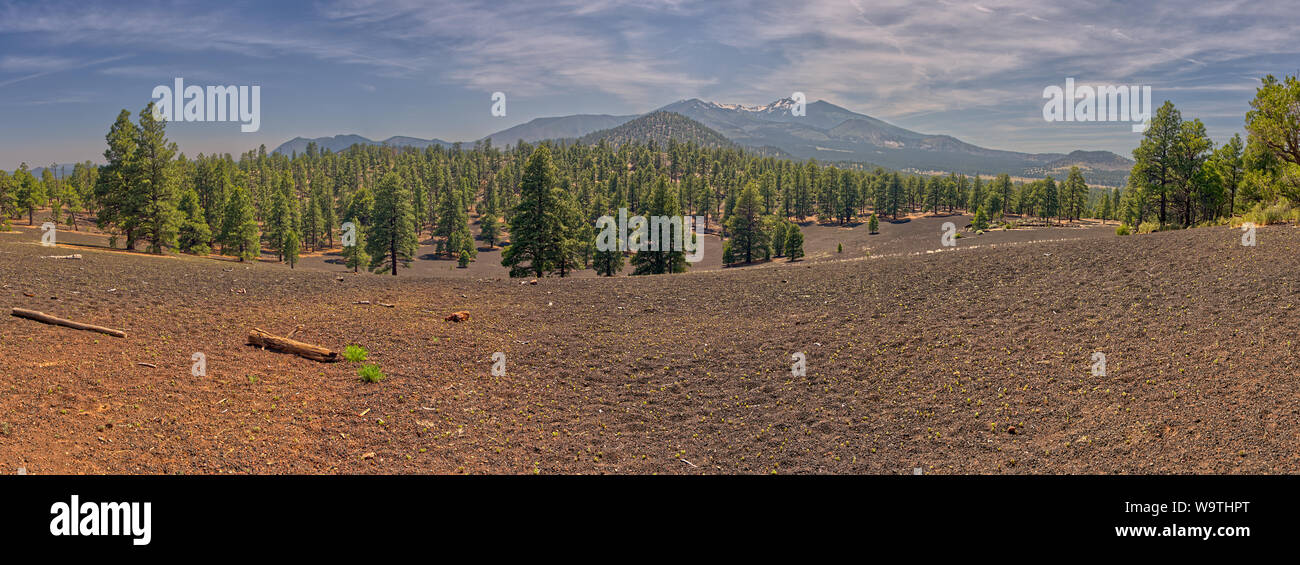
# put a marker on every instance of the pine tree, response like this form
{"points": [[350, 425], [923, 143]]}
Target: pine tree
{"points": [[933, 195], [537, 226], [746, 226], [460, 240], [1154, 158], [52, 190], [976, 193], [873, 224], [575, 239], [1076, 191], [981, 221], [311, 222], [326, 218], [1003, 187], [663, 204], [159, 219], [489, 228], [72, 195], [194, 232], [848, 196], [392, 234], [279, 223], [8, 199], [895, 197], [779, 234], [30, 193], [355, 256], [239, 227], [291, 244], [452, 219], [359, 208], [794, 244], [465, 253], [1050, 204]]}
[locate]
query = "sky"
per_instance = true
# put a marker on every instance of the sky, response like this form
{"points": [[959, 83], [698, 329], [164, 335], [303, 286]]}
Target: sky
{"points": [[379, 68]]}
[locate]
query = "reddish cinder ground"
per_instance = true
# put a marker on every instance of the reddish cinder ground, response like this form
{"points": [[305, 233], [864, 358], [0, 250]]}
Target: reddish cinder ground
{"points": [[974, 360]]}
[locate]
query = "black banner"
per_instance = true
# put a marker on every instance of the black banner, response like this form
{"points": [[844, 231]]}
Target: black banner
{"points": [[322, 515]]}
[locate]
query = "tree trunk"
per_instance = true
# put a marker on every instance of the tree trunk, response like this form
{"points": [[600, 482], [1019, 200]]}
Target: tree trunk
{"points": [[306, 350], [48, 319]]}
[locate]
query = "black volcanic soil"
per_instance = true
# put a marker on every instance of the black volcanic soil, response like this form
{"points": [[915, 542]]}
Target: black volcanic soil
{"points": [[974, 360]]}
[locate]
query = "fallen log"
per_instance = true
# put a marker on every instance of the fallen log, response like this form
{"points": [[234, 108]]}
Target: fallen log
{"points": [[48, 319], [267, 340]]}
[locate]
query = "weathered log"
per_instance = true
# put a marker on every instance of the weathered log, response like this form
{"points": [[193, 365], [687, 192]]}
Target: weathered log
{"points": [[48, 319], [269, 341]]}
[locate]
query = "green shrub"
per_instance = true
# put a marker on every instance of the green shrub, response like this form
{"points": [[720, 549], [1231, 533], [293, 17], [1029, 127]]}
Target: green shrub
{"points": [[1148, 227], [370, 373], [839, 248], [355, 353], [1123, 229], [1262, 215]]}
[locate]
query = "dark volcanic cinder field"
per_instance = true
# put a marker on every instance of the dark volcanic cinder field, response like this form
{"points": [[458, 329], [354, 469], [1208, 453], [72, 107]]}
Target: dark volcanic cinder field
{"points": [[968, 361]]}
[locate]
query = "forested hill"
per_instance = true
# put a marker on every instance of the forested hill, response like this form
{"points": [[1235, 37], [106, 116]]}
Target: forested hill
{"points": [[659, 127]]}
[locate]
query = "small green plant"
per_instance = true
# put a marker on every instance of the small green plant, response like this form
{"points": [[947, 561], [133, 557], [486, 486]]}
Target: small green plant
{"points": [[370, 373], [839, 248], [1123, 229], [355, 353], [1148, 227]]}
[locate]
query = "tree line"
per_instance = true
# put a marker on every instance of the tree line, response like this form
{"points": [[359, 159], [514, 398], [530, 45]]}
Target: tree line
{"points": [[541, 200]]}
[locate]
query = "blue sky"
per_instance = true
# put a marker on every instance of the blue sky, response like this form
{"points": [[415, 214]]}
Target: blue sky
{"points": [[378, 68]]}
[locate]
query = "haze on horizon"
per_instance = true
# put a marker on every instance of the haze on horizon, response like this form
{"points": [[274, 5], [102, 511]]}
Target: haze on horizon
{"points": [[379, 68]]}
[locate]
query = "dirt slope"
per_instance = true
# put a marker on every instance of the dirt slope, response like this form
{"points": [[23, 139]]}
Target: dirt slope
{"points": [[914, 359]]}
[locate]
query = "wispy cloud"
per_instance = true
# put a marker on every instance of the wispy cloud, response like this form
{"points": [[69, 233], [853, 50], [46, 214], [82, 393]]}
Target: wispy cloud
{"points": [[973, 69]]}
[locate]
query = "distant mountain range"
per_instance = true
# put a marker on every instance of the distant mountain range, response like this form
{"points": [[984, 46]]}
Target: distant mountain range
{"points": [[61, 170], [564, 127], [340, 142], [825, 132]]}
